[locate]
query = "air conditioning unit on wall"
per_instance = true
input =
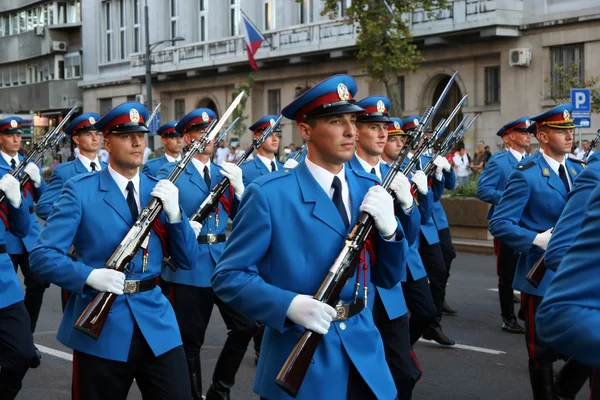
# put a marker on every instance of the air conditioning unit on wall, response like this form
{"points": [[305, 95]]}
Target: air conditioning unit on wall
{"points": [[59, 46], [519, 57]]}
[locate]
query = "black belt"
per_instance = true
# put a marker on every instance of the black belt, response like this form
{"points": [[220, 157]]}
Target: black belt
{"points": [[348, 310], [212, 239], [132, 286], [2, 248]]}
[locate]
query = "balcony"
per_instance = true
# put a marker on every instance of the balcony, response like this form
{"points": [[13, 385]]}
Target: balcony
{"points": [[49, 95], [32, 44]]}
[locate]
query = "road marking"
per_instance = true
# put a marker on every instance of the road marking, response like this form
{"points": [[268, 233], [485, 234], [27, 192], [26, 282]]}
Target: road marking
{"points": [[467, 347], [54, 353], [515, 291]]}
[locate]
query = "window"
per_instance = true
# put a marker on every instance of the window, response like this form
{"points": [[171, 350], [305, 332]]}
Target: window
{"points": [[305, 12], [174, 17], [274, 101], [492, 85], [131, 98], [203, 18], [136, 27], [105, 106], [342, 6], [72, 65], [268, 16], [62, 12], [179, 108], [234, 17], [4, 22], [567, 62], [108, 33], [122, 31]]}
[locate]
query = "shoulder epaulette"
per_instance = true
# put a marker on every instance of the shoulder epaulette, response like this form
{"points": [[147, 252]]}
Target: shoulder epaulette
{"points": [[527, 165], [577, 160], [279, 174], [80, 177]]}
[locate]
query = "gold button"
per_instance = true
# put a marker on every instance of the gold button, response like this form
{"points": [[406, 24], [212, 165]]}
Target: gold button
{"points": [[343, 326]]}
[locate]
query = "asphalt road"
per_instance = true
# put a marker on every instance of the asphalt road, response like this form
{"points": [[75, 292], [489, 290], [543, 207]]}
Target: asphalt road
{"points": [[486, 364]]}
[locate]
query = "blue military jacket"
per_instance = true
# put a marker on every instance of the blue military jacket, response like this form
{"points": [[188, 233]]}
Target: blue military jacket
{"points": [[285, 238], [438, 214], [18, 245], [153, 166], [92, 213], [569, 315], [572, 217], [532, 203], [193, 192], [255, 168], [62, 173], [494, 177], [19, 223]]}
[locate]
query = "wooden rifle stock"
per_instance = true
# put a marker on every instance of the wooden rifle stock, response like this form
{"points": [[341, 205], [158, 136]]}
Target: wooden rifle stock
{"points": [[537, 272]]}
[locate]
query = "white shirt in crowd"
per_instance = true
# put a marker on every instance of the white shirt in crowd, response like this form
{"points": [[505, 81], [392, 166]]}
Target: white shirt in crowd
{"points": [[462, 164], [147, 153], [221, 155]]}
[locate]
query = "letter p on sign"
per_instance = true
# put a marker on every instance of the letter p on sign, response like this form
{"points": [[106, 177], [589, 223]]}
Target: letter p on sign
{"points": [[580, 99]]}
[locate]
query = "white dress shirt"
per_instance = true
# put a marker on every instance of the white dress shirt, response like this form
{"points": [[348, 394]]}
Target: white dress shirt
{"points": [[267, 162], [517, 155], [87, 163], [200, 166], [555, 165], [325, 178], [121, 182], [368, 167], [171, 159], [7, 158]]}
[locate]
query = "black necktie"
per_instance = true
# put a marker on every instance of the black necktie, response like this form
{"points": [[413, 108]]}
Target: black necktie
{"points": [[13, 163], [563, 177], [373, 171], [338, 201], [131, 201], [207, 177], [93, 166], [272, 166]]}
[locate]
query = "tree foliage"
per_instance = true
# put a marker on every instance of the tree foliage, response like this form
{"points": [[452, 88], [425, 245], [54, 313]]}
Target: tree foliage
{"points": [[567, 79], [240, 128]]}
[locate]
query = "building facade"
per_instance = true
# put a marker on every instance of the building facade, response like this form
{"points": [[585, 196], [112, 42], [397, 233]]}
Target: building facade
{"points": [[40, 61], [509, 54]]}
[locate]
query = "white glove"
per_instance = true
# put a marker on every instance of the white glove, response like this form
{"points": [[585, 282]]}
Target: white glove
{"points": [[379, 204], [34, 173], [311, 314], [438, 161], [234, 173], [106, 280], [541, 239], [401, 188], [447, 167], [290, 163], [11, 188], [197, 227], [168, 194], [420, 180]]}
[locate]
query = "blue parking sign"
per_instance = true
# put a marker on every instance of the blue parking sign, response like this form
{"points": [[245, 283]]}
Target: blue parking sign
{"points": [[581, 100], [155, 123]]}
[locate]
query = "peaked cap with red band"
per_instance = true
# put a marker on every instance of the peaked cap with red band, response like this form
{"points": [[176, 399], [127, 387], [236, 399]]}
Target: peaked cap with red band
{"points": [[11, 125], [395, 127], [560, 117], [84, 122], [332, 96], [264, 123], [376, 109], [168, 130], [128, 117], [200, 117], [411, 123], [520, 125]]}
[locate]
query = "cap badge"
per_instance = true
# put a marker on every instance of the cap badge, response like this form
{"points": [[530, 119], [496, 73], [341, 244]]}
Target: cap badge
{"points": [[343, 92], [527, 123], [416, 122], [272, 122], [566, 115], [13, 123], [380, 106], [396, 125], [205, 116], [92, 120], [134, 115]]}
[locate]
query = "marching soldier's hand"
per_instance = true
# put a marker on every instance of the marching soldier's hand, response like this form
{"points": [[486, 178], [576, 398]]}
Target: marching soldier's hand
{"points": [[290, 163], [401, 188], [441, 165], [379, 204], [197, 227], [541, 239], [106, 280], [311, 314], [234, 173], [420, 180], [168, 194], [11, 188], [34, 174]]}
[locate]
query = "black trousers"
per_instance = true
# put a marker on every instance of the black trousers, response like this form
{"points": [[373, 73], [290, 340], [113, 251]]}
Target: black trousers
{"points": [[193, 307], [437, 272], [162, 378], [595, 385], [447, 247], [420, 304], [398, 350], [540, 356], [506, 265], [34, 287], [16, 348]]}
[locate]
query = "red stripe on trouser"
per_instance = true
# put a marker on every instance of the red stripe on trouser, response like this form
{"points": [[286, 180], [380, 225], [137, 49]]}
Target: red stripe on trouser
{"points": [[66, 295], [530, 315], [497, 245], [414, 357], [75, 379], [172, 294], [157, 279]]}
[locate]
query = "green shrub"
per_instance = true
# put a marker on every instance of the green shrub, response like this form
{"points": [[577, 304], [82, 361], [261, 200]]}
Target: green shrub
{"points": [[466, 190]]}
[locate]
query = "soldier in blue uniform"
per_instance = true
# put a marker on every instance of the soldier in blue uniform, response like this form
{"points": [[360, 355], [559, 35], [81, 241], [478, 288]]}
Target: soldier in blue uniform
{"points": [[172, 142], [17, 353], [17, 247], [190, 290], [430, 247], [265, 161], [289, 230], [94, 212], [533, 200], [390, 308], [490, 187]]}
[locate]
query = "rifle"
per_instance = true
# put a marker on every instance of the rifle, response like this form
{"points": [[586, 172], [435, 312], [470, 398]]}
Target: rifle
{"points": [[94, 317], [301, 150], [592, 146], [153, 114], [209, 204], [38, 151], [292, 373], [537, 272]]}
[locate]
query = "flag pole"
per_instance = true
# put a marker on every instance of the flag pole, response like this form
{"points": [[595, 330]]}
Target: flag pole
{"points": [[255, 27]]}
